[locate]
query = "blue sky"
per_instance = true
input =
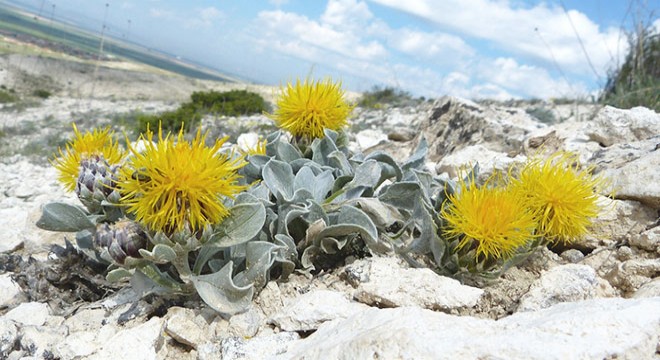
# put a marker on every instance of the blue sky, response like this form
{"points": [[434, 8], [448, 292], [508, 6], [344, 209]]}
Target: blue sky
{"points": [[470, 48]]}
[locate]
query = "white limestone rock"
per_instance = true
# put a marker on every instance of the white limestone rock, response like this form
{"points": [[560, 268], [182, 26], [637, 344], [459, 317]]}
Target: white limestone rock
{"points": [[638, 180], [310, 310], [31, 313], [591, 329], [8, 336], [184, 326], [10, 292], [564, 283], [247, 323], [141, 342], [11, 233], [649, 289], [488, 160], [262, 347], [612, 125], [385, 282], [42, 340], [629, 275], [648, 240]]}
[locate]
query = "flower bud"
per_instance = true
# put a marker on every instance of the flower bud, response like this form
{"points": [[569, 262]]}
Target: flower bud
{"points": [[96, 182], [121, 239]]}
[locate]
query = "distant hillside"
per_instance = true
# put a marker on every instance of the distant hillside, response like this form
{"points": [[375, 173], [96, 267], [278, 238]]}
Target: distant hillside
{"points": [[20, 26]]}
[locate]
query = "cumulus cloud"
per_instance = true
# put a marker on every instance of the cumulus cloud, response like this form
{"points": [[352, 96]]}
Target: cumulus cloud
{"points": [[350, 39], [541, 31]]}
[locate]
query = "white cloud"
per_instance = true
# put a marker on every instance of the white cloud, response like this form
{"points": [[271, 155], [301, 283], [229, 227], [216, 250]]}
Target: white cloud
{"points": [[278, 3], [288, 27], [161, 13], [205, 17], [524, 31]]}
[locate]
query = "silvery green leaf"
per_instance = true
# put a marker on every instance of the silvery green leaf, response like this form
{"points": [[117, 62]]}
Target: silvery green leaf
{"points": [[286, 254], [160, 254], [304, 179], [271, 143], [315, 212], [354, 221], [219, 291], [158, 277], [417, 159], [64, 217], [338, 160], [85, 243], [321, 150], [243, 223], [402, 195], [389, 166], [118, 274], [160, 238], [366, 175], [204, 255], [279, 178], [331, 134], [287, 152], [308, 256], [330, 245], [426, 231], [317, 185], [245, 197], [340, 182], [258, 261], [383, 215]]}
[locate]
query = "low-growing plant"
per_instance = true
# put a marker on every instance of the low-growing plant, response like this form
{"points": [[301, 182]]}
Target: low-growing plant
{"points": [[189, 218], [7, 96], [379, 97], [188, 115], [637, 81], [41, 93]]}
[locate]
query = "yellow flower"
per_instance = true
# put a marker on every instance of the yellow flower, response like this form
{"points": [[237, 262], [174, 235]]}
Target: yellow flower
{"points": [[309, 107], [563, 197], [174, 183], [492, 219], [84, 146]]}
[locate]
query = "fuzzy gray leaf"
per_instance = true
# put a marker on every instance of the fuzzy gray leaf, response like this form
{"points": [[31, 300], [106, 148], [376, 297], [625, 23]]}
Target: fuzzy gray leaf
{"points": [[219, 291], [417, 159], [402, 195], [64, 217], [279, 178], [244, 222]]}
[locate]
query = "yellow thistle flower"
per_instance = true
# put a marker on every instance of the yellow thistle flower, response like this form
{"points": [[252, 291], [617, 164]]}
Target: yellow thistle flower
{"points": [[84, 146], [492, 219], [561, 194], [305, 109], [172, 183]]}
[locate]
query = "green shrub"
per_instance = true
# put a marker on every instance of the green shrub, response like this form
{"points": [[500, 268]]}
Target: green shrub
{"points": [[7, 96], [637, 81], [378, 97], [44, 94], [229, 103]]}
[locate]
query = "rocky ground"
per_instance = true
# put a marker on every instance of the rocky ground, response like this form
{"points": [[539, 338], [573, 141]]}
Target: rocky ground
{"points": [[596, 299]]}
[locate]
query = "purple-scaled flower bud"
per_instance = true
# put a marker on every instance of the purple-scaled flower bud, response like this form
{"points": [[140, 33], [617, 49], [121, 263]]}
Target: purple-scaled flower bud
{"points": [[121, 239], [96, 182]]}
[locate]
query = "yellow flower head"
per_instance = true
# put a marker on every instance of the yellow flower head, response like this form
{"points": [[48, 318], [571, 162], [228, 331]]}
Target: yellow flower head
{"points": [[492, 219], [562, 195], [172, 183], [84, 146], [305, 109]]}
